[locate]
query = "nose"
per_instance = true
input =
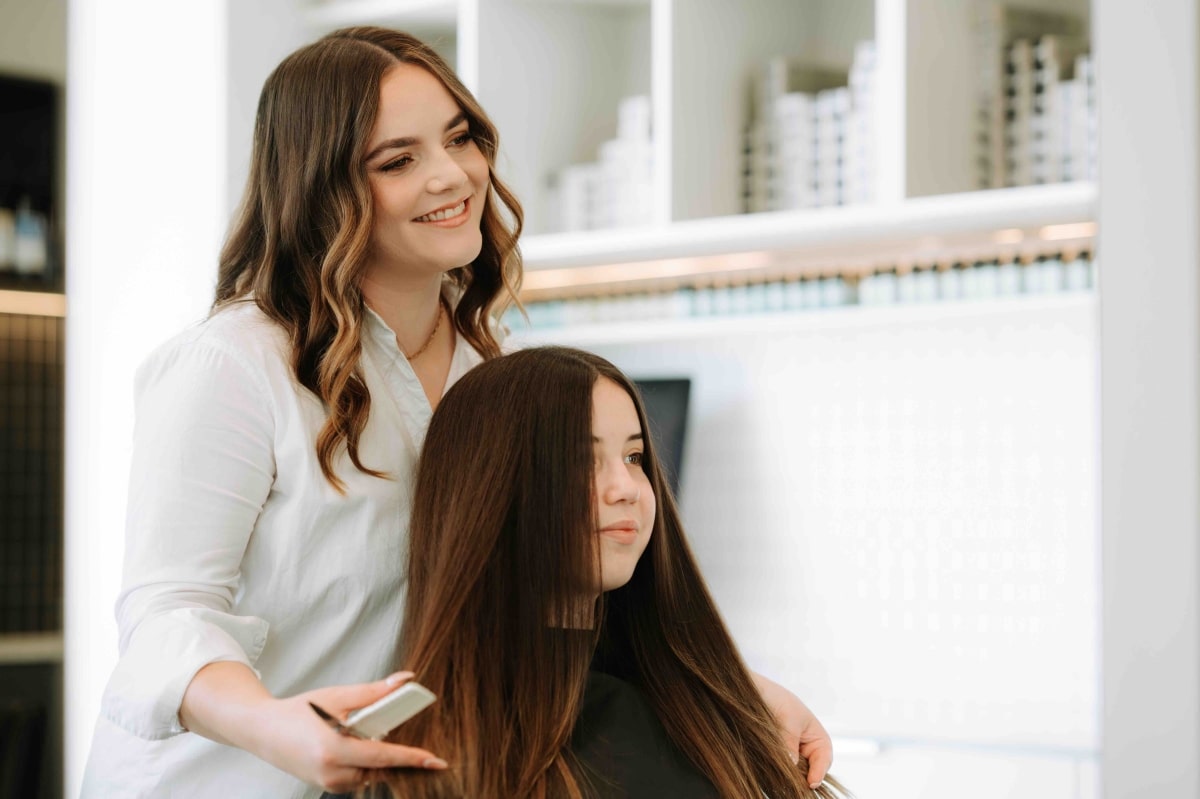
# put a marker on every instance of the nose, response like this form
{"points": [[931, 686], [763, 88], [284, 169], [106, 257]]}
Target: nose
{"points": [[618, 486], [445, 174]]}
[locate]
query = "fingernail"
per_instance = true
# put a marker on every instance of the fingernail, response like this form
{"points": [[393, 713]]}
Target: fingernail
{"points": [[399, 677], [434, 762]]}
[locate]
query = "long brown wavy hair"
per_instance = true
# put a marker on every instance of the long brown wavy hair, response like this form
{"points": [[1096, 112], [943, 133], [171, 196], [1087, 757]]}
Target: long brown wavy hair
{"points": [[299, 245], [502, 538]]}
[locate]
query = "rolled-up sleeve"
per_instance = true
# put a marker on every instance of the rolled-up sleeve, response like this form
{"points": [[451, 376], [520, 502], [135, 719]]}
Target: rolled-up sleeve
{"points": [[203, 465]]}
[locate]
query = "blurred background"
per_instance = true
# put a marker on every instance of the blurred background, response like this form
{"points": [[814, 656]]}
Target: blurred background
{"points": [[910, 286]]}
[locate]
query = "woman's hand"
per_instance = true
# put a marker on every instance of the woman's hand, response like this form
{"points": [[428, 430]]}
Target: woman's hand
{"points": [[299, 742], [227, 703], [802, 732]]}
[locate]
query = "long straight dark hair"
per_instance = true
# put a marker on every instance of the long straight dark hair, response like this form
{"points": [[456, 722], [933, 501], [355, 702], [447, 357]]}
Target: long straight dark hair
{"points": [[502, 540], [300, 243]]}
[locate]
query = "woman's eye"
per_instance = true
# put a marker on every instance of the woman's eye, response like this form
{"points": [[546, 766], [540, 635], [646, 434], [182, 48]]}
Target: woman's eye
{"points": [[461, 140], [399, 163], [634, 459]]}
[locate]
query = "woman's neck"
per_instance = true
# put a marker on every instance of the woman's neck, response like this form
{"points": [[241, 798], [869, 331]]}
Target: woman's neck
{"points": [[410, 309]]}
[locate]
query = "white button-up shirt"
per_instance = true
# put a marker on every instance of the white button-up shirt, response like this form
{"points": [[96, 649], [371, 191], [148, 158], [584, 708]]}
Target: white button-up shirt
{"points": [[238, 549]]}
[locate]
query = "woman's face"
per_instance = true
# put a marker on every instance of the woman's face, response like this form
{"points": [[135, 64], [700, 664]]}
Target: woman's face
{"points": [[624, 499], [428, 177]]}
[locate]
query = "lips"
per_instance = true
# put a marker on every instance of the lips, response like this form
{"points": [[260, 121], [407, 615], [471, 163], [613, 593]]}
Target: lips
{"points": [[624, 532], [446, 212]]}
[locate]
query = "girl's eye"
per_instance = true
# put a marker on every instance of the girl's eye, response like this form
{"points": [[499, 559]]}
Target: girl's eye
{"points": [[399, 163], [461, 140], [634, 459]]}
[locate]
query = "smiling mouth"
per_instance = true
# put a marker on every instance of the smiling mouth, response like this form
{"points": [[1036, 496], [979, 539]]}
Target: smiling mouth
{"points": [[445, 213]]}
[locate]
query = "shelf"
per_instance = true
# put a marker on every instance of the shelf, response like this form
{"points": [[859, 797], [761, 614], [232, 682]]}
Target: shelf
{"points": [[848, 229], [413, 13], [840, 318], [30, 648], [33, 303]]}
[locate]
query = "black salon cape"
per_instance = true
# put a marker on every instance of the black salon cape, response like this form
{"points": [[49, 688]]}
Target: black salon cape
{"points": [[624, 750]]}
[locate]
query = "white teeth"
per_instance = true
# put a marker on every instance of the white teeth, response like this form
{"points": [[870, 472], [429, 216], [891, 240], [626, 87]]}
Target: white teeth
{"points": [[438, 216]]}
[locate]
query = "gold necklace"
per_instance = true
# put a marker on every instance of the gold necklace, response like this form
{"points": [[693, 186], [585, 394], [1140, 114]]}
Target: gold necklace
{"points": [[436, 326]]}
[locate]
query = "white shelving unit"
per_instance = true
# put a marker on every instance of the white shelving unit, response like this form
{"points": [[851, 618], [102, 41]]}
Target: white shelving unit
{"points": [[551, 73]]}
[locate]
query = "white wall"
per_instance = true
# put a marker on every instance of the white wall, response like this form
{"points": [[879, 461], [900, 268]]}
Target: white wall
{"points": [[895, 510], [1149, 97], [260, 34], [145, 214]]}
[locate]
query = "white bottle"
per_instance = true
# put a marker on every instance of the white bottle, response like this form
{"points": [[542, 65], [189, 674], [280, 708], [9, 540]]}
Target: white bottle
{"points": [[970, 282], [884, 287], [950, 282], [793, 294], [1052, 274], [1076, 274], [986, 280], [810, 292], [906, 286], [833, 291], [1008, 279], [926, 284]]}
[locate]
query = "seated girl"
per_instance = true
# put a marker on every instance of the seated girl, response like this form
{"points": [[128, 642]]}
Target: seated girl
{"points": [[557, 612]]}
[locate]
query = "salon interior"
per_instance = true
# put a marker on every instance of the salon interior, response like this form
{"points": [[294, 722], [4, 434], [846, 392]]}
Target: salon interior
{"points": [[910, 288]]}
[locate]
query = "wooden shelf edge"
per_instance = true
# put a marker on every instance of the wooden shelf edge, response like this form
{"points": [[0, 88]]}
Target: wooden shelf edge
{"points": [[33, 303], [16, 648]]}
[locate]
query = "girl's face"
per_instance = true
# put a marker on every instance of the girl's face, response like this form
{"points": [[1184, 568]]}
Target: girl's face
{"points": [[624, 499], [428, 177]]}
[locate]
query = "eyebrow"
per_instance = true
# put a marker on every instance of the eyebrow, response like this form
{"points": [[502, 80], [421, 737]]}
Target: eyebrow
{"points": [[634, 437], [409, 141]]}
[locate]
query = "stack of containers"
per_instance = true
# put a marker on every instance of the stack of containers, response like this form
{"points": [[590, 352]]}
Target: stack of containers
{"points": [[615, 191], [1036, 122], [860, 131], [1019, 125], [1075, 123], [810, 142], [1054, 139]]}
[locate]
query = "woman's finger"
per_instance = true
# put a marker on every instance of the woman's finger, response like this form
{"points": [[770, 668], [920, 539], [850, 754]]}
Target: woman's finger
{"points": [[344, 780], [377, 754], [351, 697], [820, 758]]}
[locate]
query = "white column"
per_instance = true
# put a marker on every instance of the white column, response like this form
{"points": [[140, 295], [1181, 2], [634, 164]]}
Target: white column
{"points": [[146, 209], [1149, 217]]}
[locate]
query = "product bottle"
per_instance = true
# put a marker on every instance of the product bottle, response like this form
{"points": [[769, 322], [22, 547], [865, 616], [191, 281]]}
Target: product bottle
{"points": [[1008, 278], [1075, 276], [987, 279]]}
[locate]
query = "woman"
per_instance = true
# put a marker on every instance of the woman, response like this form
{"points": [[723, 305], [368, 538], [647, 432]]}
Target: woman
{"points": [[276, 441], [555, 608]]}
